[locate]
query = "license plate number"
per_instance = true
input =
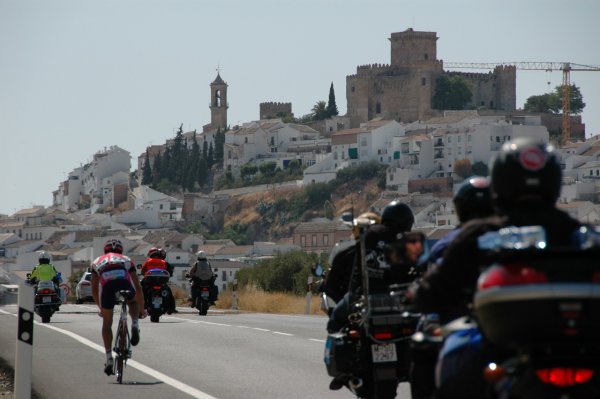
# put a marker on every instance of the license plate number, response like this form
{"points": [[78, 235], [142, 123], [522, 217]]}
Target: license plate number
{"points": [[157, 301], [46, 299], [204, 294], [384, 353]]}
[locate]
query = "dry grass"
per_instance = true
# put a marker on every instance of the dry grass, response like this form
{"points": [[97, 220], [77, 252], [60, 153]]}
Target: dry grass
{"points": [[251, 299]]}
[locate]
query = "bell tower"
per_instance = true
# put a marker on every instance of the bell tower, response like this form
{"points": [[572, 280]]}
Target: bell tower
{"points": [[218, 103]]}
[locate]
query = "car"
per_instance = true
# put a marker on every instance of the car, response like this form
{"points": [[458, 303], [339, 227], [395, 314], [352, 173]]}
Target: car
{"points": [[83, 292]]}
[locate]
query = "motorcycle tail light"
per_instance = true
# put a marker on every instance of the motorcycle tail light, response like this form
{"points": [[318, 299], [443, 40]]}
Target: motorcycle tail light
{"points": [[564, 377], [156, 287], [204, 288], [382, 334], [46, 291], [493, 372], [596, 277], [354, 334], [511, 274]]}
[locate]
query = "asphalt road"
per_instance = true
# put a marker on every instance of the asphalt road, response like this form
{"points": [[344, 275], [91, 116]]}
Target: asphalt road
{"points": [[222, 355]]}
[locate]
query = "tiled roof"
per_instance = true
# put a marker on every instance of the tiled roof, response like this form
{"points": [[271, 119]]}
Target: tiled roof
{"points": [[236, 250]]}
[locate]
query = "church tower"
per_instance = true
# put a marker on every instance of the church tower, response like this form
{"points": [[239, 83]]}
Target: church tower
{"points": [[218, 103]]}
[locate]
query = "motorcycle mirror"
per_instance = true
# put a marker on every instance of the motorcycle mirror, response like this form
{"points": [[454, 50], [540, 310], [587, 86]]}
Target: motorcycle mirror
{"points": [[317, 270], [347, 217]]}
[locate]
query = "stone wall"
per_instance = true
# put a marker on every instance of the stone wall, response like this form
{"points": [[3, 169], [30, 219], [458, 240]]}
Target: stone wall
{"points": [[270, 110]]}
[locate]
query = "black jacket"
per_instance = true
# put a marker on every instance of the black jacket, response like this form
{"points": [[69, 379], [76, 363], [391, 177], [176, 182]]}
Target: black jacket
{"points": [[448, 288]]}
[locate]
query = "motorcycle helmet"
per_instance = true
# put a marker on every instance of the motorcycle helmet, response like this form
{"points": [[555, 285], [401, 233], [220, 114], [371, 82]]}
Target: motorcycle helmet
{"points": [[525, 171], [397, 216], [44, 257], [472, 200], [163, 253], [154, 253], [113, 245], [367, 215], [201, 255]]}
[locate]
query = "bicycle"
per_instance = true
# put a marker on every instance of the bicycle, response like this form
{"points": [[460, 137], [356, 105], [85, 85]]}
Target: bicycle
{"points": [[122, 346]]}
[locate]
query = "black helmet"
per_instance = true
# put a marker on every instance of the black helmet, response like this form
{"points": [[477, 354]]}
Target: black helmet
{"points": [[398, 216], [525, 171], [472, 200]]}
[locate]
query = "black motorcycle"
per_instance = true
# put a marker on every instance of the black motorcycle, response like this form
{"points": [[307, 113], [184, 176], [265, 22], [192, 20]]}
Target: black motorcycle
{"points": [[156, 293], [540, 309], [203, 293], [371, 354], [47, 298]]}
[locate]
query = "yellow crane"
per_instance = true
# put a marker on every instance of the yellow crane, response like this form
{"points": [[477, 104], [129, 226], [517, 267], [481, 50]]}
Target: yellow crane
{"points": [[565, 67]]}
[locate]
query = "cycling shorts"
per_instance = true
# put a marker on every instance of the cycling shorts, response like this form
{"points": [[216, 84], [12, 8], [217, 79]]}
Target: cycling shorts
{"points": [[108, 298]]}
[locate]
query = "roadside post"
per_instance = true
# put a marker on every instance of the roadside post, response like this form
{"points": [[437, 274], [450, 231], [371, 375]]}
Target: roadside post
{"points": [[24, 355], [234, 305], [309, 284]]}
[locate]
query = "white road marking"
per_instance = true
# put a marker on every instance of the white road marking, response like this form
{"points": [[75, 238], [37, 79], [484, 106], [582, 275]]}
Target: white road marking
{"points": [[242, 327], [137, 365], [282, 333], [317, 340], [260, 329]]}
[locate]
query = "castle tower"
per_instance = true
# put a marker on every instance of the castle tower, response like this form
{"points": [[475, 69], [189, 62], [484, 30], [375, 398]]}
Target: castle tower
{"points": [[218, 103], [414, 49]]}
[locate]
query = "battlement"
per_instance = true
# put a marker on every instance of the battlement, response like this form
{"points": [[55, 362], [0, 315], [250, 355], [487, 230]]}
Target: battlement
{"points": [[273, 109], [413, 35]]}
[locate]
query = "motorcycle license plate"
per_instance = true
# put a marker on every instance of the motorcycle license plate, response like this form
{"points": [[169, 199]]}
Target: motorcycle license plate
{"points": [[46, 299], [157, 301], [384, 353], [204, 294]]}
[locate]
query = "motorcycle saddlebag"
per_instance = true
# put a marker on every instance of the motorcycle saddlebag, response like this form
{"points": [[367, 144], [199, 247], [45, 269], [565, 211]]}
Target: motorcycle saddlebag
{"points": [[533, 314], [339, 354], [157, 277]]}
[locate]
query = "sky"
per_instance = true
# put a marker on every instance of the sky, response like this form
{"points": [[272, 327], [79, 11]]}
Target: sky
{"points": [[77, 76]]}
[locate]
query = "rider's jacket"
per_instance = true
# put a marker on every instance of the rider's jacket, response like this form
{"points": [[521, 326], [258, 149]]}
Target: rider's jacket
{"points": [[113, 266], [44, 272], [448, 288], [153, 263]]}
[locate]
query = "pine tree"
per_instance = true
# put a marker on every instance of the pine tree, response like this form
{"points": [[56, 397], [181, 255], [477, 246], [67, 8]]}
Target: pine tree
{"points": [[331, 109], [205, 149], [146, 170], [210, 160], [194, 161], [157, 168]]}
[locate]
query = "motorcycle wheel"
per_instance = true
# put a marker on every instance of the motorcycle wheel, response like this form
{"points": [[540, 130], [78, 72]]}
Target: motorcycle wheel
{"points": [[45, 314], [203, 308], [154, 316]]}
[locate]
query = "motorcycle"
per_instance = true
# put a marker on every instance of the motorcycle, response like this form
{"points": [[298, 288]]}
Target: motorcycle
{"points": [[539, 307], [425, 345], [47, 298], [370, 355], [201, 293], [156, 293]]}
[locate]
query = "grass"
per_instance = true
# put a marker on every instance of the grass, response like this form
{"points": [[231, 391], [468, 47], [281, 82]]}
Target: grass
{"points": [[251, 299]]}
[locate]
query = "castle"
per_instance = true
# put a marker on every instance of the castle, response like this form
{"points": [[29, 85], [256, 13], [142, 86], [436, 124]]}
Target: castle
{"points": [[404, 90]]}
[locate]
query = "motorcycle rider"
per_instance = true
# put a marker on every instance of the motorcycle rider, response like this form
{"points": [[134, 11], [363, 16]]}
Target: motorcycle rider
{"points": [[202, 270], [471, 200], [113, 272], [525, 184], [156, 260], [45, 271]]}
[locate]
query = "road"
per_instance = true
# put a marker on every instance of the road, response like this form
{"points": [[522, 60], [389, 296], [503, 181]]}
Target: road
{"points": [[222, 355]]}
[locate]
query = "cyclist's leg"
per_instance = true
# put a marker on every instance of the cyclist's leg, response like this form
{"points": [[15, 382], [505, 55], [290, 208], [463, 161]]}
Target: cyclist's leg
{"points": [[107, 303]]}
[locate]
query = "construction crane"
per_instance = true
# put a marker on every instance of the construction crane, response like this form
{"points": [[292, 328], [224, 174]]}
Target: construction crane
{"points": [[565, 67]]}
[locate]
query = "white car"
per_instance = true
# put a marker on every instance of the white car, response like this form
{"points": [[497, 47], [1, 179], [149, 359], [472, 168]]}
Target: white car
{"points": [[83, 292]]}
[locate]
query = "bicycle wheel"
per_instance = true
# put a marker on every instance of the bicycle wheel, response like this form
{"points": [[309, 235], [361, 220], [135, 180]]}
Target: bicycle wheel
{"points": [[121, 350]]}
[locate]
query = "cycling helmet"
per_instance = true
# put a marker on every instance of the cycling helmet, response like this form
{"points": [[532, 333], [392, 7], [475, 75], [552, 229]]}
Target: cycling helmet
{"points": [[525, 171], [398, 216], [44, 257], [201, 255], [113, 246], [472, 200], [154, 253]]}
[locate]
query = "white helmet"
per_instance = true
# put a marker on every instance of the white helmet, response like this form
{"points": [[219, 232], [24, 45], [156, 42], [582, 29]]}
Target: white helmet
{"points": [[43, 255], [201, 255]]}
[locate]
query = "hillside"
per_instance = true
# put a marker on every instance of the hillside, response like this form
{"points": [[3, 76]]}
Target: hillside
{"points": [[270, 215]]}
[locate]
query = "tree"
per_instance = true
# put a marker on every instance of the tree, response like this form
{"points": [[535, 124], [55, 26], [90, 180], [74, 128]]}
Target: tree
{"points": [[451, 92], [552, 102], [319, 111], [463, 168], [331, 109], [210, 160], [146, 170]]}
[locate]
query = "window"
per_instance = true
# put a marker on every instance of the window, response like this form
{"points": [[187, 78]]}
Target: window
{"points": [[325, 240], [303, 241], [426, 56], [458, 138], [423, 81], [224, 276], [449, 139], [352, 89], [497, 139], [178, 257], [161, 206], [363, 142], [378, 108], [314, 240], [245, 139], [391, 177]]}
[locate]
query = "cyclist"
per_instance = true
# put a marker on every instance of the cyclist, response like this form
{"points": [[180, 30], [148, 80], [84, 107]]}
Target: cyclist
{"points": [[114, 272]]}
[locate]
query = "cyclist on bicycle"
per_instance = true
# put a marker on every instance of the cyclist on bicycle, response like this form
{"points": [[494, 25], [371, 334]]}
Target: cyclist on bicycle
{"points": [[114, 272]]}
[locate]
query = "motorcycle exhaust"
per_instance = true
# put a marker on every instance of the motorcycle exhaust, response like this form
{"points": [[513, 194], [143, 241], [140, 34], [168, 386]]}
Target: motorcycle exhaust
{"points": [[355, 383]]}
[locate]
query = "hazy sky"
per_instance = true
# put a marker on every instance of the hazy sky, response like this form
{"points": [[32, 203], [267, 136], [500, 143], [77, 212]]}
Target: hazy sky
{"points": [[79, 75]]}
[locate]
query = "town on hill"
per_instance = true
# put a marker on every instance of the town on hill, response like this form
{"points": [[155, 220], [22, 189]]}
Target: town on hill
{"points": [[279, 183]]}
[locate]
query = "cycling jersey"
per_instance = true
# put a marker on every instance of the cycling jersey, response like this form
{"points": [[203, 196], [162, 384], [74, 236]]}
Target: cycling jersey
{"points": [[113, 266]]}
